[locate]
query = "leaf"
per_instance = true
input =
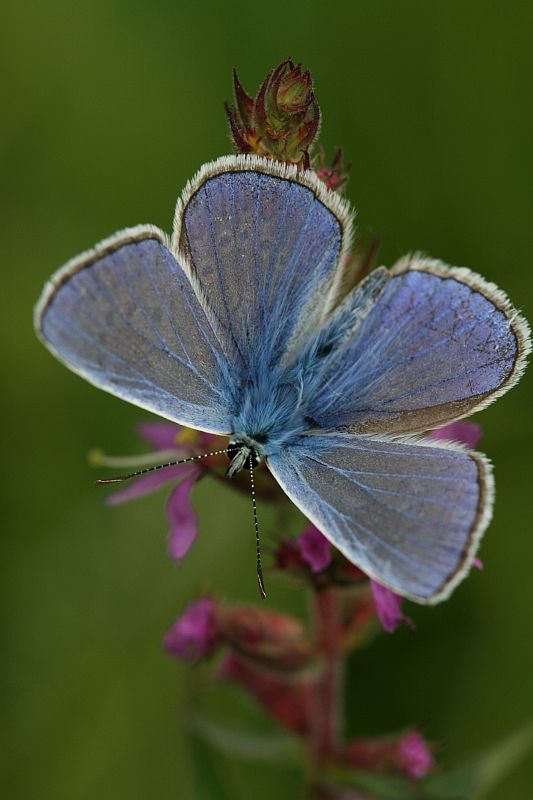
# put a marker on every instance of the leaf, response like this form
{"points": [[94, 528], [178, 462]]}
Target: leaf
{"points": [[211, 782], [502, 759], [384, 787], [275, 748], [474, 779]]}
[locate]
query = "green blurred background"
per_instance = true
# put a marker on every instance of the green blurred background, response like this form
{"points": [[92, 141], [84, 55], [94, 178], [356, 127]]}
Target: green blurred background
{"points": [[108, 107]]}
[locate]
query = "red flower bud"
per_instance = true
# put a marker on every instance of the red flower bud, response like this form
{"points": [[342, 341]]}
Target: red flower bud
{"points": [[267, 637], [408, 755], [290, 703], [282, 121]]}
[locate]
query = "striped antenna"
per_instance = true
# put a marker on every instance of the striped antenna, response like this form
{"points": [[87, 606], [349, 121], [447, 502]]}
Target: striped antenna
{"points": [[120, 478], [260, 580]]}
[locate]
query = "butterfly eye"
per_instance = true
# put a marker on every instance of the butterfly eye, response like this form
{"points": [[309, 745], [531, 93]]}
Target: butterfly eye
{"points": [[245, 456], [233, 449]]}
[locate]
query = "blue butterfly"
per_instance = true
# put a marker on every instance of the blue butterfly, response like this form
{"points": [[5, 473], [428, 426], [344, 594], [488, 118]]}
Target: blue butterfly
{"points": [[238, 324]]}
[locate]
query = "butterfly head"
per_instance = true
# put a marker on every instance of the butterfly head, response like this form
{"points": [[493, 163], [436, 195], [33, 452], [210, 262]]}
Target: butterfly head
{"points": [[244, 453]]}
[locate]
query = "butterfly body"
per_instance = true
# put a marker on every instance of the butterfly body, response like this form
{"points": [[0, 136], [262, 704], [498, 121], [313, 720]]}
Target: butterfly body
{"points": [[238, 325]]}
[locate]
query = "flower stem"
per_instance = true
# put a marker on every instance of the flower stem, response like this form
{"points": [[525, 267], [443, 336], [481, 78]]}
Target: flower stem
{"points": [[325, 740]]}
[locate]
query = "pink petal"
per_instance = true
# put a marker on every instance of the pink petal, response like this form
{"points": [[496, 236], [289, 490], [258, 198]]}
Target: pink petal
{"points": [[414, 756], [162, 435], [148, 484], [388, 607], [314, 549], [463, 432], [478, 564], [182, 519], [193, 636]]}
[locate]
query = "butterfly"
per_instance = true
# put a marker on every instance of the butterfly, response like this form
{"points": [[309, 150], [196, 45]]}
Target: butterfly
{"points": [[239, 324]]}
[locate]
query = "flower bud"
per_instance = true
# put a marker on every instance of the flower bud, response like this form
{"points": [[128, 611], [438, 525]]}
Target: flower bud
{"points": [[413, 755], [282, 121], [335, 176], [289, 702], [267, 637], [408, 754]]}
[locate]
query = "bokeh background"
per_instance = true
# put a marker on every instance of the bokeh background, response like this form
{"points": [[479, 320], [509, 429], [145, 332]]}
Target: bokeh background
{"points": [[107, 108]]}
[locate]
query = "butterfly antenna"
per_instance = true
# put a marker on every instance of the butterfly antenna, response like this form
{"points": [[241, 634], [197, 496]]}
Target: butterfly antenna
{"points": [[120, 478], [260, 580]]}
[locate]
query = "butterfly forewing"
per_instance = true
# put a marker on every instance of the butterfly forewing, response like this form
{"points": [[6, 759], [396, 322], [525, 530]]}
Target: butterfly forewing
{"points": [[126, 319], [265, 249]]}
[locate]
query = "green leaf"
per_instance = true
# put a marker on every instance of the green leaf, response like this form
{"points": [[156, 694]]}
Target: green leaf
{"points": [[476, 778], [502, 759], [211, 779], [384, 787], [275, 748]]}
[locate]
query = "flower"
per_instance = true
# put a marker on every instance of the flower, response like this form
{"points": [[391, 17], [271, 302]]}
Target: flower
{"points": [[466, 433], [316, 552], [408, 754], [413, 755], [282, 121], [388, 607], [315, 549], [172, 443], [269, 638], [194, 635]]}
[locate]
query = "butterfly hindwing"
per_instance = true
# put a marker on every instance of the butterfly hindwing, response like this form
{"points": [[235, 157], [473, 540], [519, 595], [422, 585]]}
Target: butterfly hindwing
{"points": [[439, 344], [408, 514]]}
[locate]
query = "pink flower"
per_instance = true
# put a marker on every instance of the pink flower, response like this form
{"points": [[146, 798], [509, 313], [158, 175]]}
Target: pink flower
{"points": [[408, 754], [413, 755], [181, 516], [388, 607], [316, 552], [172, 442], [194, 635], [315, 549], [463, 432]]}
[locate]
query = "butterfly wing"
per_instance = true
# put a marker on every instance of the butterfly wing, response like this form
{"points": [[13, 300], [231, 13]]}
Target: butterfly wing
{"points": [[177, 327], [125, 317], [410, 515], [438, 344], [264, 241]]}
